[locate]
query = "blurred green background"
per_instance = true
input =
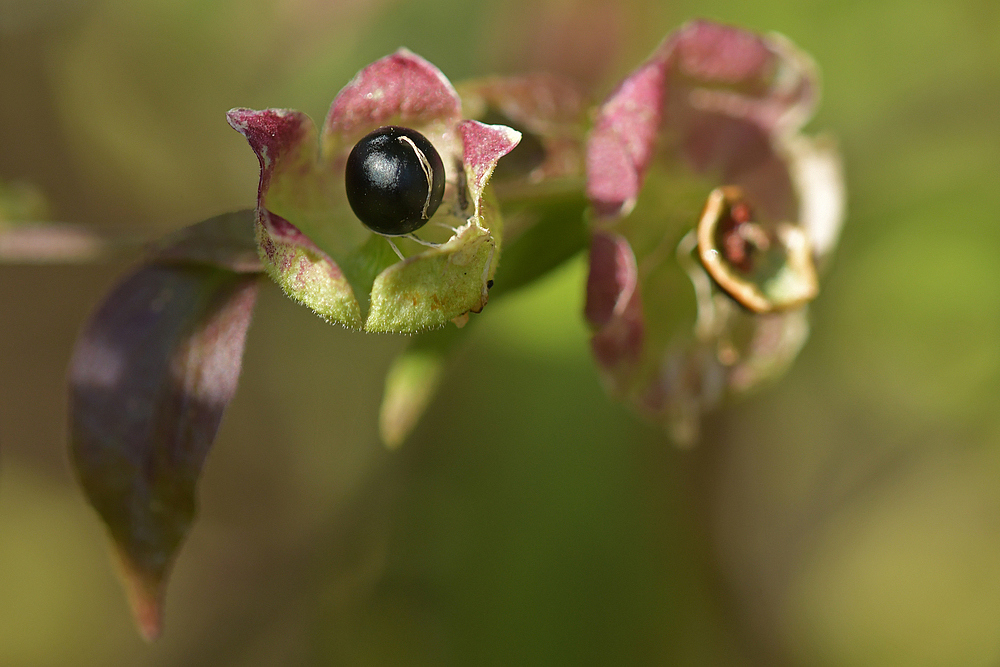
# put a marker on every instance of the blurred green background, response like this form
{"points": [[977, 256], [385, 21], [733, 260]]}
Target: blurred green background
{"points": [[848, 515]]}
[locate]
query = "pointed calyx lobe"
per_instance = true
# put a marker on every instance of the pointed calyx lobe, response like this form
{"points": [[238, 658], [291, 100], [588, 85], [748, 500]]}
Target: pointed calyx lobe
{"points": [[314, 246], [698, 172], [152, 373]]}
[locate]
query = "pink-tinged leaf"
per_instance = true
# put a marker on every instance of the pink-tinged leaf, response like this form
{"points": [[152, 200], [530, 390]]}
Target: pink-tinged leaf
{"points": [[304, 272], [483, 146], [738, 152], [623, 140], [541, 103], [152, 373], [717, 96], [613, 278], [283, 139], [402, 88], [718, 53], [614, 307], [726, 70], [742, 74]]}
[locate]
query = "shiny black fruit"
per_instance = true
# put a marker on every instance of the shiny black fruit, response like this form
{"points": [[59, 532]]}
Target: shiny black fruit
{"points": [[395, 180]]}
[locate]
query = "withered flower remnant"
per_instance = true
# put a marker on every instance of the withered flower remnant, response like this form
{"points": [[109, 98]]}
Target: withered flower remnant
{"points": [[711, 216]]}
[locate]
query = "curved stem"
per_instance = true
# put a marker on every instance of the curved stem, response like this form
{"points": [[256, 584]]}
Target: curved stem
{"points": [[63, 243]]}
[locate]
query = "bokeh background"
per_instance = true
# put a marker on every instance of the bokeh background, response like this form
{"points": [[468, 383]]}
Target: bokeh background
{"points": [[847, 515]]}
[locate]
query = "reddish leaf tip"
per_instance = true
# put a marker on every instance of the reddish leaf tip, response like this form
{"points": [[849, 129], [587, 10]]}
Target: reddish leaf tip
{"points": [[271, 132], [613, 278], [623, 139], [721, 53], [483, 146], [402, 85], [614, 305], [145, 595]]}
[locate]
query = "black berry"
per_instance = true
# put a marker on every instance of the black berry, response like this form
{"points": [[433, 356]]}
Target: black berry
{"points": [[395, 180]]}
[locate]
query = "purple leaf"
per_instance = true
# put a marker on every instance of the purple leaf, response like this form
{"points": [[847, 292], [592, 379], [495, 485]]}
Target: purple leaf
{"points": [[151, 375]]}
